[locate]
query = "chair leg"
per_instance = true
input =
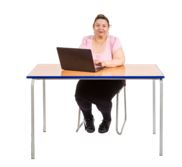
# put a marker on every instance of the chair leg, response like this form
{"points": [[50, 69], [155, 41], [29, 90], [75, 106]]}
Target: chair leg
{"points": [[117, 107], [78, 124]]}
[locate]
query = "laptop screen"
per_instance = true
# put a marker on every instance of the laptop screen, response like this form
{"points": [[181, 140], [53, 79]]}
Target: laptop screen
{"points": [[76, 59]]}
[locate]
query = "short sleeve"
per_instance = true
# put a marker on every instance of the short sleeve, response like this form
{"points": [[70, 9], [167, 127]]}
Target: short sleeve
{"points": [[115, 44], [85, 43]]}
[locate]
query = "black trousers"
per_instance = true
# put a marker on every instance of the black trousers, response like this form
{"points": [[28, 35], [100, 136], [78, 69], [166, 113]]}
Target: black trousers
{"points": [[98, 92]]}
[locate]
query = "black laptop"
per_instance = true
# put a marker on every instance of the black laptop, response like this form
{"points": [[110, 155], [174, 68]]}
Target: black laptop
{"points": [[77, 59]]}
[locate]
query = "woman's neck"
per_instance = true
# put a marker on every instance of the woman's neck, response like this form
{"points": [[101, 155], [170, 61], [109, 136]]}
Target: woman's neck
{"points": [[100, 39]]}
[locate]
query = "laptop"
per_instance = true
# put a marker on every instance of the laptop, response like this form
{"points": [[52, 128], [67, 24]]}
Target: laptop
{"points": [[77, 59]]}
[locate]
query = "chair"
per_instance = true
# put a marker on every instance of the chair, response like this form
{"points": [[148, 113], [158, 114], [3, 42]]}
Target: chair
{"points": [[117, 108]]}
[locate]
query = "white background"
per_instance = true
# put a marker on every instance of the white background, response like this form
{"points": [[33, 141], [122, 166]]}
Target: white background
{"points": [[30, 31]]}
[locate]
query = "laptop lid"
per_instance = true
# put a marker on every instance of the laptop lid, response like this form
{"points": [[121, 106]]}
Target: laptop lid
{"points": [[76, 59]]}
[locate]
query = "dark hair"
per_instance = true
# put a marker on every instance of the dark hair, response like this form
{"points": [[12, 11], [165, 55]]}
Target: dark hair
{"points": [[101, 16]]}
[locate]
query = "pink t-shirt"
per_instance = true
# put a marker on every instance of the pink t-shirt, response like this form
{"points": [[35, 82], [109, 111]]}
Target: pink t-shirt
{"points": [[112, 44]]}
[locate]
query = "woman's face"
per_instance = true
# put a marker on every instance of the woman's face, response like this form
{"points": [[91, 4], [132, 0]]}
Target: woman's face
{"points": [[101, 28]]}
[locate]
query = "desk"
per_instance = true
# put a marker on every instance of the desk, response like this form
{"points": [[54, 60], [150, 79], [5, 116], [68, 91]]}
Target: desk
{"points": [[128, 71]]}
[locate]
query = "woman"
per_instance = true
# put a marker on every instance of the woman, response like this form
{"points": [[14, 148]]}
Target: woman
{"points": [[107, 51]]}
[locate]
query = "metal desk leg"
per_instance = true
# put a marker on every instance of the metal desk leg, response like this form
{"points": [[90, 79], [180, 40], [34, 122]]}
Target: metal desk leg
{"points": [[161, 119], [154, 112], [79, 124], [32, 121], [117, 108], [44, 107]]}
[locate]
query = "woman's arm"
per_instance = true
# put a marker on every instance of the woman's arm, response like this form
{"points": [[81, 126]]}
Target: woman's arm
{"points": [[118, 59]]}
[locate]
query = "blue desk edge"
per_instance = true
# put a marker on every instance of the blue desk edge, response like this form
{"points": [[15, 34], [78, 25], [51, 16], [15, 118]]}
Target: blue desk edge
{"points": [[95, 77]]}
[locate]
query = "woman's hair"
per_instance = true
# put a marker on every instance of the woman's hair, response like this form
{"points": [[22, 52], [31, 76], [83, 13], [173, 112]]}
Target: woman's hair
{"points": [[101, 16]]}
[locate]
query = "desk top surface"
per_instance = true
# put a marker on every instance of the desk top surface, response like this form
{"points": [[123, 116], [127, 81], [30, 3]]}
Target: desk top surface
{"points": [[128, 71]]}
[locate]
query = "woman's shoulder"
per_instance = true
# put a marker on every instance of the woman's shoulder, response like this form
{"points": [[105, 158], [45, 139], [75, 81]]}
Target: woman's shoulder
{"points": [[114, 42], [113, 38], [88, 37], [86, 41]]}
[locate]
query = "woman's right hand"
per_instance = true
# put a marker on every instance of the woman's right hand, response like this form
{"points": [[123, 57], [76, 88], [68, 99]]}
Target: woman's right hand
{"points": [[97, 62]]}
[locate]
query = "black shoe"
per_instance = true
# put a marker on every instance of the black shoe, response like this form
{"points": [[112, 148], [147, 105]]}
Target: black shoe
{"points": [[89, 125], [104, 126]]}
